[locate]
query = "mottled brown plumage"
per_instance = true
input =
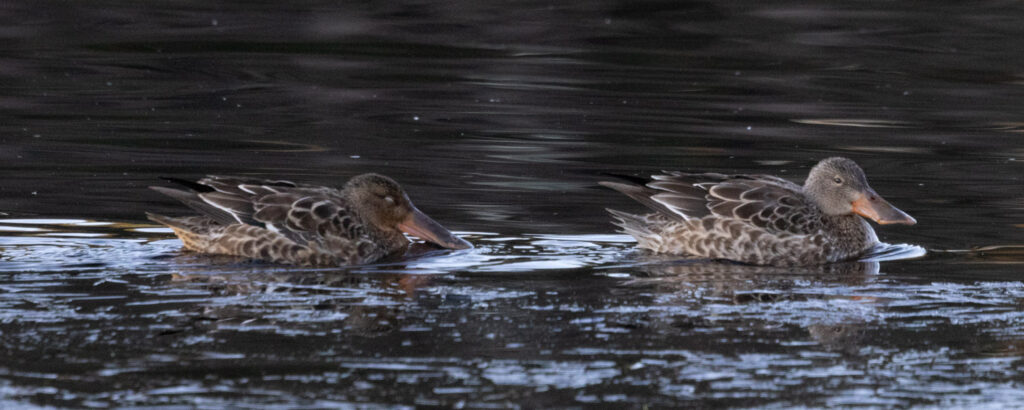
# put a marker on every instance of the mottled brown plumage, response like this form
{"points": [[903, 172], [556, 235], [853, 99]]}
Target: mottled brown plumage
{"points": [[281, 221], [759, 219]]}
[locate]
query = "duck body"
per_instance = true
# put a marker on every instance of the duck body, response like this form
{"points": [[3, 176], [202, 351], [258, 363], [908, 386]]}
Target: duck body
{"points": [[285, 222], [758, 219]]}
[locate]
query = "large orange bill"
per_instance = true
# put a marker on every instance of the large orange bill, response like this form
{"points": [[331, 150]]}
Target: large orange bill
{"points": [[873, 207], [421, 226]]}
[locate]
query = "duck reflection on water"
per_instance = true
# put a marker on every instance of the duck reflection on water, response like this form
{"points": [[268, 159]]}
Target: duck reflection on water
{"points": [[290, 300], [724, 293]]}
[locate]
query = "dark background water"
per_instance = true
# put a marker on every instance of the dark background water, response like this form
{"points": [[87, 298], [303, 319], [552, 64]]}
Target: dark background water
{"points": [[498, 118]]}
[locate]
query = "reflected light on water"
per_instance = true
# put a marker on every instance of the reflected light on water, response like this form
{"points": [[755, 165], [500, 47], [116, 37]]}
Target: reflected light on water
{"points": [[855, 122], [549, 312]]}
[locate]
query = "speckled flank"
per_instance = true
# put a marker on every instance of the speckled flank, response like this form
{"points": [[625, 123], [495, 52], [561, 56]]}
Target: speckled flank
{"points": [[203, 235], [736, 240]]}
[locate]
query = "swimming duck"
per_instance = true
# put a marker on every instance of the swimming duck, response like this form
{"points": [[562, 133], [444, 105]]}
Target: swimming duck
{"points": [[759, 219], [285, 222]]}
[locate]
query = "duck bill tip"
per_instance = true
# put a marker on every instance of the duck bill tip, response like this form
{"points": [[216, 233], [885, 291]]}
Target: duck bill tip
{"points": [[422, 226], [873, 207]]}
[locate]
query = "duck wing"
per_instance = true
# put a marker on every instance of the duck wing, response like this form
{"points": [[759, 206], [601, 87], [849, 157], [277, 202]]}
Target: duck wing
{"points": [[302, 213], [764, 201]]}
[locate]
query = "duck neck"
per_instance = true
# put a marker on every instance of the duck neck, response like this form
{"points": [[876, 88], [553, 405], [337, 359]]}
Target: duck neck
{"points": [[392, 240], [857, 234]]}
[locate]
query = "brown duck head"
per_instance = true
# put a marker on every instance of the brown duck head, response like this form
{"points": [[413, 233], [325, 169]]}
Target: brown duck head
{"points": [[382, 202], [839, 187]]}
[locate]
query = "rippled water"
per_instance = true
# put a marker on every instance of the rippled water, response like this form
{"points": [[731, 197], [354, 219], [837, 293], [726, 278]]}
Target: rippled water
{"points": [[499, 120]]}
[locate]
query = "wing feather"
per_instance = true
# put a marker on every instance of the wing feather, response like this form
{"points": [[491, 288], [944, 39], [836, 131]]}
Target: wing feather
{"points": [[764, 201], [302, 213], [240, 208]]}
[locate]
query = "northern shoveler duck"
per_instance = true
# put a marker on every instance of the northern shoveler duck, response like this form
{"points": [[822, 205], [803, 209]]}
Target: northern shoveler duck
{"points": [[759, 219], [285, 222]]}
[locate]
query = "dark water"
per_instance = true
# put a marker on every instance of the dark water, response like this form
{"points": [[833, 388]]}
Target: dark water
{"points": [[498, 119]]}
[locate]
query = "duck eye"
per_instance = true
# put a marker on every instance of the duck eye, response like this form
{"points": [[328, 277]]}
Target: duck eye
{"points": [[837, 180], [389, 200]]}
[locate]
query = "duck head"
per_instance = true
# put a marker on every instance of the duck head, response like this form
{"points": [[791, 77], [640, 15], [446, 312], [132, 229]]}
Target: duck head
{"points": [[839, 187], [383, 204]]}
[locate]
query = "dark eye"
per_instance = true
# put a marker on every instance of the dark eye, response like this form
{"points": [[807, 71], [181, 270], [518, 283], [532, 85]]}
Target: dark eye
{"points": [[389, 200], [837, 180]]}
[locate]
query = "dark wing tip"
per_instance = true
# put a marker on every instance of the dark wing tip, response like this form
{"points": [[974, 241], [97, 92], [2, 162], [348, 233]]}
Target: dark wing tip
{"points": [[619, 186], [192, 200], [645, 196], [195, 186], [634, 179]]}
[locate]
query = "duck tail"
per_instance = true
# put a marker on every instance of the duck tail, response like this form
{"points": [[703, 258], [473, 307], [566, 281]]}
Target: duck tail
{"points": [[194, 231], [630, 223], [640, 227], [164, 220]]}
